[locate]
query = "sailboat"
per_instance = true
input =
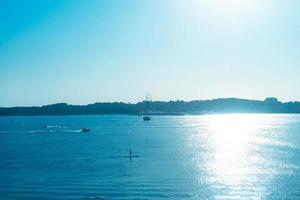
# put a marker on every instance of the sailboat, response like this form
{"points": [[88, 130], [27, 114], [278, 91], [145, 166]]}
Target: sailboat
{"points": [[147, 102]]}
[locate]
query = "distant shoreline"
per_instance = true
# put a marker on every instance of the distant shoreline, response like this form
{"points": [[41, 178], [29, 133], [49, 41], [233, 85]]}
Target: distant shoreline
{"points": [[270, 105], [173, 115]]}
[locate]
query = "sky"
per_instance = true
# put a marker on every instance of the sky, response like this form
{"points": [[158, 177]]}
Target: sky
{"points": [[86, 51]]}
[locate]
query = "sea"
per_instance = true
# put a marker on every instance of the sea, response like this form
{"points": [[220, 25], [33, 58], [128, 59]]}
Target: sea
{"points": [[221, 156]]}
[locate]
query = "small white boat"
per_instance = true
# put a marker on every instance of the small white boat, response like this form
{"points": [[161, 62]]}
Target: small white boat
{"points": [[84, 130]]}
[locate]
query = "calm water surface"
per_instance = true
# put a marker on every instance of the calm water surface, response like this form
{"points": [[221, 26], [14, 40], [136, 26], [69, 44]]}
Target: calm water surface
{"points": [[180, 157]]}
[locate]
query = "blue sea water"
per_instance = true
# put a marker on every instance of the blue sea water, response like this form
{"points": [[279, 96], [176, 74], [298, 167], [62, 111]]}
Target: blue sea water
{"points": [[228, 156]]}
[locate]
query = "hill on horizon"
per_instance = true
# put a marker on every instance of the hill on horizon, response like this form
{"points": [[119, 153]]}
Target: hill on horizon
{"points": [[221, 105]]}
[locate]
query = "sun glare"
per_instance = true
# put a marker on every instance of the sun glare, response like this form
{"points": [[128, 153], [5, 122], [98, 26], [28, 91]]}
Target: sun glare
{"points": [[231, 138], [223, 10], [229, 5]]}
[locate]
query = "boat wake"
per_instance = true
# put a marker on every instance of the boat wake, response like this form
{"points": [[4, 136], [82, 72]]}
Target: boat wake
{"points": [[53, 126], [42, 131]]}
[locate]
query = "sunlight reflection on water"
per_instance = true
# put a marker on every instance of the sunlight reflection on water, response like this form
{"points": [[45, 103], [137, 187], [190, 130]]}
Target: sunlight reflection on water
{"points": [[235, 163], [231, 138]]}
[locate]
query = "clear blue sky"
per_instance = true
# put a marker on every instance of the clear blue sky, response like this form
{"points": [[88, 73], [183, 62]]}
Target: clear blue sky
{"points": [[118, 50]]}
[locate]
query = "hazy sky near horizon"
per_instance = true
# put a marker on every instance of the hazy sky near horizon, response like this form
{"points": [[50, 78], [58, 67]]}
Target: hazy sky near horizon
{"points": [[79, 51]]}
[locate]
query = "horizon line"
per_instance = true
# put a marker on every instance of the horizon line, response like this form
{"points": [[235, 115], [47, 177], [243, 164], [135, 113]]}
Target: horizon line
{"points": [[71, 104]]}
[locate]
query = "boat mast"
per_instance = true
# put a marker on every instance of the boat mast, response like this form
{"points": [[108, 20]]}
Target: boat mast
{"points": [[147, 102]]}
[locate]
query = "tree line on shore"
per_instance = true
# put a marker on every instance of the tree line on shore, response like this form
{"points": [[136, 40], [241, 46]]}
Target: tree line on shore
{"points": [[224, 105]]}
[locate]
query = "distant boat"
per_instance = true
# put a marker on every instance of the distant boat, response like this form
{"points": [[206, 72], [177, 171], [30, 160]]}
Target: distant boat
{"points": [[147, 118], [84, 130], [147, 102]]}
